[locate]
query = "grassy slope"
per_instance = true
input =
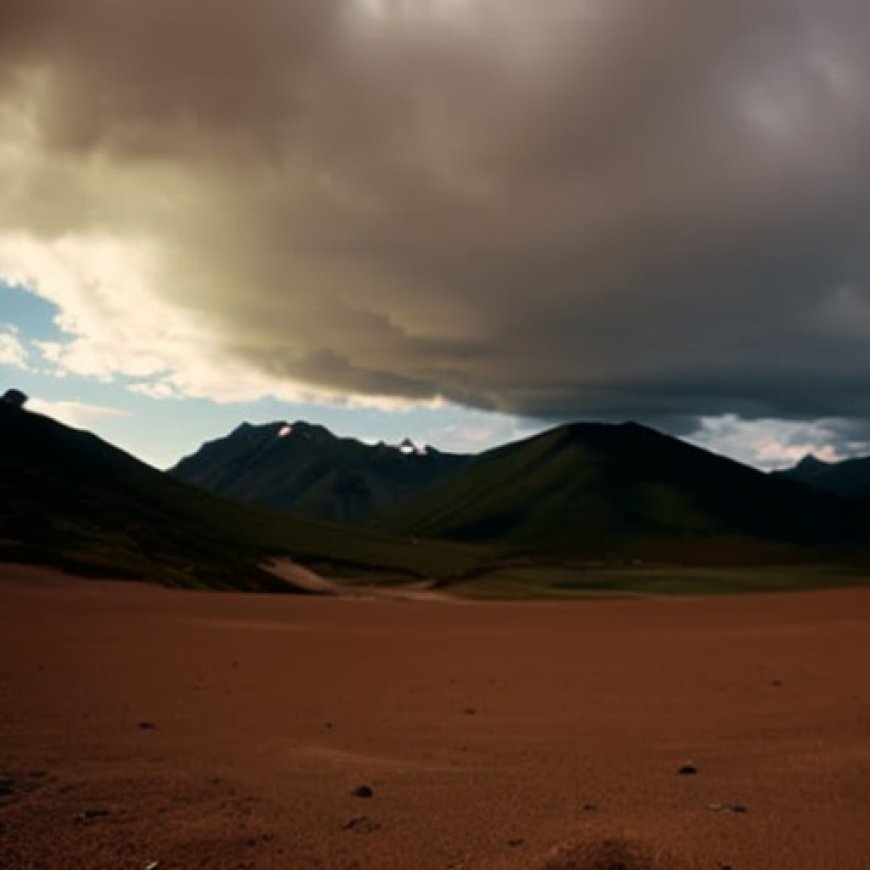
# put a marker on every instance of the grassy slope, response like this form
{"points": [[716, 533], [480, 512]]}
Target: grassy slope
{"points": [[558, 582], [619, 492], [68, 498]]}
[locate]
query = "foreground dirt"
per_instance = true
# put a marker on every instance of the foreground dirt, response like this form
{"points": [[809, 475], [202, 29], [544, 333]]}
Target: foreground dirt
{"points": [[145, 728]]}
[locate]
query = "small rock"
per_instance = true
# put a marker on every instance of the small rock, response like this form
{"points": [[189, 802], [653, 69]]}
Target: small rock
{"points": [[590, 808], [363, 791], [517, 841], [87, 815], [688, 769], [469, 711], [7, 787], [152, 865], [727, 808], [147, 726], [776, 683], [362, 825]]}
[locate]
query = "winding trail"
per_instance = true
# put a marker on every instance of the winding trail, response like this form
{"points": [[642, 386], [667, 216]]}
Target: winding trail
{"points": [[310, 581]]}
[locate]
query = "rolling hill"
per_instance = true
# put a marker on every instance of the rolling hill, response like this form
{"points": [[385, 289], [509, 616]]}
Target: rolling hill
{"points": [[68, 498], [306, 469], [850, 478], [601, 491]]}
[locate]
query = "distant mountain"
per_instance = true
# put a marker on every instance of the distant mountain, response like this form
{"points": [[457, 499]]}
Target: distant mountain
{"points": [[68, 498], [850, 478], [626, 491], [306, 469]]}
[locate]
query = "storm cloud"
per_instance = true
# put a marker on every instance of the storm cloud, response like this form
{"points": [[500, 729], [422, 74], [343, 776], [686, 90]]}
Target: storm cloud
{"points": [[603, 208]]}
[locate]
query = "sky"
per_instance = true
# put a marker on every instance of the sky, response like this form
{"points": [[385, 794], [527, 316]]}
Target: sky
{"points": [[457, 220]]}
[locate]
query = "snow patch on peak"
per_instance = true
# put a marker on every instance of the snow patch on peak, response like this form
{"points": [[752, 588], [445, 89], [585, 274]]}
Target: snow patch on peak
{"points": [[409, 448]]}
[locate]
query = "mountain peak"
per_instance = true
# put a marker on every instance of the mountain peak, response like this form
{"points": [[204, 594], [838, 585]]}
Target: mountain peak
{"points": [[409, 448], [305, 467], [14, 397], [811, 462]]}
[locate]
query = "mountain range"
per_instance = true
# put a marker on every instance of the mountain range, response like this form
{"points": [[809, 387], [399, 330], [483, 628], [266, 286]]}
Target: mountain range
{"points": [[577, 495], [584, 490], [306, 469], [850, 477], [68, 498]]}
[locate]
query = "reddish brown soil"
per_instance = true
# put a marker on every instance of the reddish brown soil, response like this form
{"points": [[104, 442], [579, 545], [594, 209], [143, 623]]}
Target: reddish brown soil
{"points": [[494, 736]]}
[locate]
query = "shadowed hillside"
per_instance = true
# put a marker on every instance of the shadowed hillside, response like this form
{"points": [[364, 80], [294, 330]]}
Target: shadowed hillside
{"points": [[616, 491], [69, 498], [850, 478], [308, 470]]}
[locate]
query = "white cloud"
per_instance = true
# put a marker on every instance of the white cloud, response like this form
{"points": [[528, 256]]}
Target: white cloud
{"points": [[478, 431], [118, 325], [78, 414], [13, 352], [771, 444]]}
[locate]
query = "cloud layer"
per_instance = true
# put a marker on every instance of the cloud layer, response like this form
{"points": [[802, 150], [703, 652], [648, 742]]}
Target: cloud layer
{"points": [[633, 208]]}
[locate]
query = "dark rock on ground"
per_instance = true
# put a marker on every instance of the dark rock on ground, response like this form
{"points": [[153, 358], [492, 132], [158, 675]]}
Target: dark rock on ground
{"points": [[362, 825]]}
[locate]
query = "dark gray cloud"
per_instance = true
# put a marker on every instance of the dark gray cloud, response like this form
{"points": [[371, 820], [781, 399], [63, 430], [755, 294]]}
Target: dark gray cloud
{"points": [[651, 209]]}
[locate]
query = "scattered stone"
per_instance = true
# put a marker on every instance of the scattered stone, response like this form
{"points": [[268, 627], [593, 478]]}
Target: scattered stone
{"points": [[147, 726], [517, 841], [363, 791], [776, 683], [688, 769], [590, 808], [362, 825], [728, 808], [327, 726], [7, 787], [469, 711], [88, 815], [152, 865]]}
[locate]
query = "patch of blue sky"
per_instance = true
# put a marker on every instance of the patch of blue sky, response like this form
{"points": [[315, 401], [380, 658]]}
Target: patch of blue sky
{"points": [[33, 316]]}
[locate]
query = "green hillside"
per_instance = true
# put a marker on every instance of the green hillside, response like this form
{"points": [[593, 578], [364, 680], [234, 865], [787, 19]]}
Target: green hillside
{"points": [[599, 491]]}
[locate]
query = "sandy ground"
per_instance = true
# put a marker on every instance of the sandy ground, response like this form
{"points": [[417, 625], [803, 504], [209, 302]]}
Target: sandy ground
{"points": [[145, 728]]}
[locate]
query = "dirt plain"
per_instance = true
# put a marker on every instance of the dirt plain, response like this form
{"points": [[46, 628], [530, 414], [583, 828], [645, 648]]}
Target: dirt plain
{"points": [[154, 729]]}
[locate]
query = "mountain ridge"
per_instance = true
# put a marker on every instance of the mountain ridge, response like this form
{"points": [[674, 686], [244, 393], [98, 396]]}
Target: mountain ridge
{"points": [[588, 488], [848, 477], [305, 468]]}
